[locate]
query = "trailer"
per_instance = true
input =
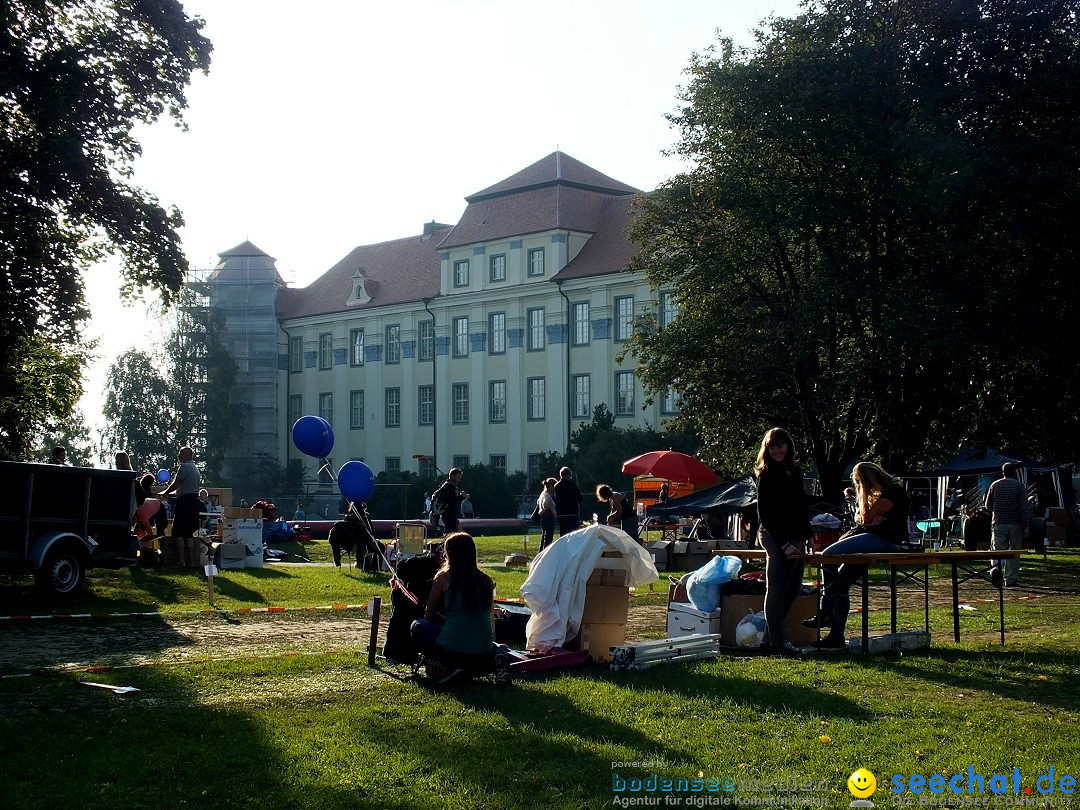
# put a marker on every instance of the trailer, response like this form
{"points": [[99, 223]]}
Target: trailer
{"points": [[58, 521]]}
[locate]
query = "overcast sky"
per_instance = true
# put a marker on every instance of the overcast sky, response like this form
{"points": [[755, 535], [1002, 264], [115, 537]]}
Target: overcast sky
{"points": [[326, 125]]}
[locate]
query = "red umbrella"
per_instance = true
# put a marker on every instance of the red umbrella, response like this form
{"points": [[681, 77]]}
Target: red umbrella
{"points": [[672, 465]]}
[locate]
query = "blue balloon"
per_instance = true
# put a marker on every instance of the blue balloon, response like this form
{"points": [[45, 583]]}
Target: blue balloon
{"points": [[163, 476], [313, 436], [356, 481]]}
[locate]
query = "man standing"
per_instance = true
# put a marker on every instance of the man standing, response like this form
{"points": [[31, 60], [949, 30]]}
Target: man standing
{"points": [[446, 500], [1007, 502], [567, 502], [185, 488]]}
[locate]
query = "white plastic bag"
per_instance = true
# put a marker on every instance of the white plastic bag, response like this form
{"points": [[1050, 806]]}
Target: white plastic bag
{"points": [[750, 632]]}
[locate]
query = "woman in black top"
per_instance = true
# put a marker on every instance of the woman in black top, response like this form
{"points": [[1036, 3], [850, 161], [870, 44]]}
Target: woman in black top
{"points": [[785, 530], [881, 526]]}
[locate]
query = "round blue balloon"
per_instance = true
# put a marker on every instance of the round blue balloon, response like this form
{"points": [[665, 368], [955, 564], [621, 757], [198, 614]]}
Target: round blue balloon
{"points": [[313, 436], [163, 476], [356, 481]]}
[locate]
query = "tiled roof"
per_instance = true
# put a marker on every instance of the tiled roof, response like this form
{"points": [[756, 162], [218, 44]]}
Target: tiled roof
{"points": [[245, 248], [558, 167], [533, 211], [609, 250], [396, 272]]}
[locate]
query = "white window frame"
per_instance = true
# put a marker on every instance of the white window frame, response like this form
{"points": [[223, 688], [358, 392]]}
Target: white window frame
{"points": [[537, 408], [460, 398], [393, 343], [497, 333], [581, 332], [326, 351], [425, 405], [356, 347], [461, 336], [392, 407], [326, 406], [581, 395], [536, 328], [625, 395], [497, 401], [535, 269], [624, 317], [356, 410], [461, 273], [497, 267], [425, 341]]}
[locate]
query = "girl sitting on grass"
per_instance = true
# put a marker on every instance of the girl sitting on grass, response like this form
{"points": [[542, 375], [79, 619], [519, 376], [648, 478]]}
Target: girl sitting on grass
{"points": [[462, 597]]}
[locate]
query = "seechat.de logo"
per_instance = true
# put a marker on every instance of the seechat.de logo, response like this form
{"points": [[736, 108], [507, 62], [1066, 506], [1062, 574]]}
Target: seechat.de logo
{"points": [[862, 785]]}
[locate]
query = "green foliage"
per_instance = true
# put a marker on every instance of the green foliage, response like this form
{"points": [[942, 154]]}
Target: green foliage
{"points": [[873, 247], [73, 436], [140, 412], [77, 77], [599, 448], [40, 384]]}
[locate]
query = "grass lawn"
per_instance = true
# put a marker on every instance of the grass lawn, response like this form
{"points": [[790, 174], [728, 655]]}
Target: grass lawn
{"points": [[327, 731]]}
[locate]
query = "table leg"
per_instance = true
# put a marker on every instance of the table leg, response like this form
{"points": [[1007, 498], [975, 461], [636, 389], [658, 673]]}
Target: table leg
{"points": [[892, 594], [1001, 602], [955, 604], [866, 610], [926, 596]]}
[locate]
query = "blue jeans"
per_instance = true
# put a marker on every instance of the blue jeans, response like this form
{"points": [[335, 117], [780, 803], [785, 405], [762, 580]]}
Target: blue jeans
{"points": [[839, 578]]}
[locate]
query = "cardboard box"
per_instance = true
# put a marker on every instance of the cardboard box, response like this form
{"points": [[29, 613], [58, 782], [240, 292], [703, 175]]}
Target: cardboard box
{"points": [[689, 562], [597, 638], [734, 608], [683, 619], [607, 576], [1058, 516], [676, 591], [231, 555], [1056, 534], [237, 512], [680, 547], [701, 547], [605, 604]]}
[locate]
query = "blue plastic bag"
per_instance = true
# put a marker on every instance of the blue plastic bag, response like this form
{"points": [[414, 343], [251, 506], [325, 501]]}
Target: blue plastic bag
{"points": [[703, 585]]}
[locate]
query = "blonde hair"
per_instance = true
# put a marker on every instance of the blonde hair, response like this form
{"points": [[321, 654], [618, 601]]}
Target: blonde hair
{"points": [[870, 480]]}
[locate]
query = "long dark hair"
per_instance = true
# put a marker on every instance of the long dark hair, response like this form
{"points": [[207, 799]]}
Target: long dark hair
{"points": [[474, 586], [765, 460]]}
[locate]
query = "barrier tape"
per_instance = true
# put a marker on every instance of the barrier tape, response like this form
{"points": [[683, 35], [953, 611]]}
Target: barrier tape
{"points": [[158, 613]]}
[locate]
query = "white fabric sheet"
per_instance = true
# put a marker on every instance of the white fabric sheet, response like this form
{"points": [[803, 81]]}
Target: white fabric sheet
{"points": [[555, 587]]}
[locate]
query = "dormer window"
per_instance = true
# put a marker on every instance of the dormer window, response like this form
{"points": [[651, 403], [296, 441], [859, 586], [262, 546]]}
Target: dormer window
{"points": [[358, 293]]}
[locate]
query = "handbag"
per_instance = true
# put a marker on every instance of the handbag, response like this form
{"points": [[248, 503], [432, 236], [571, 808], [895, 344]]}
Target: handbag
{"points": [[535, 516]]}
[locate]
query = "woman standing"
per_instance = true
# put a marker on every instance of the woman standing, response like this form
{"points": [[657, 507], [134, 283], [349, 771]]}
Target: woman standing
{"points": [[545, 505], [622, 512], [881, 526], [785, 531]]}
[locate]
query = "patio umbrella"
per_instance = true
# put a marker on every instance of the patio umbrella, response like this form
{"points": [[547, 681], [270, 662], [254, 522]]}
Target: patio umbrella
{"points": [[670, 464]]}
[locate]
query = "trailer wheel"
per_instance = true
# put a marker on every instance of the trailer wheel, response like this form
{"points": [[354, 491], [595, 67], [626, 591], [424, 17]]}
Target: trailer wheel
{"points": [[62, 572]]}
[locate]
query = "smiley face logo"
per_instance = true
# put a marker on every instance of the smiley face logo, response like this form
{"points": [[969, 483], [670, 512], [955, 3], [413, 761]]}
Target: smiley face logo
{"points": [[862, 784]]}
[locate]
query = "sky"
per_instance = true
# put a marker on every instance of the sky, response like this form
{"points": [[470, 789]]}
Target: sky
{"points": [[355, 123]]}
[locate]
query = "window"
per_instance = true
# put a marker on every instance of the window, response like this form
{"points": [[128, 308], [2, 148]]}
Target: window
{"points": [[461, 462], [393, 407], [537, 398], [425, 404], [669, 310], [393, 343], [296, 354], [326, 350], [497, 464], [497, 401], [582, 406], [356, 410], [535, 318], [497, 333], [624, 393], [356, 347], [580, 317], [461, 337], [498, 267], [536, 262], [533, 462], [461, 404], [296, 408], [392, 464], [426, 340], [461, 273], [427, 468], [326, 407], [624, 317], [670, 401]]}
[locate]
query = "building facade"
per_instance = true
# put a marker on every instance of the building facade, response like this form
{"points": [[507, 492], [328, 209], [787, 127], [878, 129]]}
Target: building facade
{"points": [[488, 341]]}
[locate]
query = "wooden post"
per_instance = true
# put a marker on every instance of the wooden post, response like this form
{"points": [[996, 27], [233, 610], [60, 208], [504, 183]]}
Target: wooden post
{"points": [[373, 642]]}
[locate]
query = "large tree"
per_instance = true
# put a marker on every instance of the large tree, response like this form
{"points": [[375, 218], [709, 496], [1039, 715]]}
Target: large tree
{"points": [[75, 77], [140, 412], [876, 245]]}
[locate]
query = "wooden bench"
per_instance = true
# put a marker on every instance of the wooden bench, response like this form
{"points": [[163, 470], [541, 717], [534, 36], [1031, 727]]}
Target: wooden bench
{"points": [[903, 567]]}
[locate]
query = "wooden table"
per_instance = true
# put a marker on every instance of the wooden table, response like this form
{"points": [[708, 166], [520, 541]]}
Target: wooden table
{"points": [[907, 566]]}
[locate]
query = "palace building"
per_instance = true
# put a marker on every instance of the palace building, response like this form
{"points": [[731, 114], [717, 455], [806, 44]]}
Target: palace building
{"points": [[486, 341]]}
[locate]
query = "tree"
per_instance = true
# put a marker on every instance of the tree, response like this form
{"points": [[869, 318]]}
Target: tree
{"points": [[875, 246], [73, 436], [75, 77], [140, 412]]}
